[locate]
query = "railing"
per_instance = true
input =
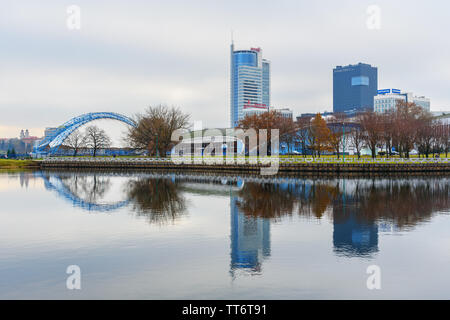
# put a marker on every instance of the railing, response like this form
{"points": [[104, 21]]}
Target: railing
{"points": [[246, 160]]}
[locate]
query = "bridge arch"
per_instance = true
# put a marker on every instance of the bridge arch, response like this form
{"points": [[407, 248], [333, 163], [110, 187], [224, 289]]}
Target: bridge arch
{"points": [[57, 138]]}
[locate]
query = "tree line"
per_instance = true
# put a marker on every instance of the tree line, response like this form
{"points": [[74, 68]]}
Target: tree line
{"points": [[405, 128]]}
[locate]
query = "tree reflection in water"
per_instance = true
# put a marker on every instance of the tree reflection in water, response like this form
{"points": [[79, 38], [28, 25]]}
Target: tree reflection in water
{"points": [[357, 207], [266, 200], [91, 188], [403, 202], [160, 200]]}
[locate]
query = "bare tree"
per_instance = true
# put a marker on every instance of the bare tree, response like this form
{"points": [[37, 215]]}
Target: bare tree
{"points": [[96, 139], [444, 137], [76, 141], [407, 118], [303, 125], [371, 123], [426, 137], [357, 138], [441, 134], [155, 127], [387, 134], [336, 141]]}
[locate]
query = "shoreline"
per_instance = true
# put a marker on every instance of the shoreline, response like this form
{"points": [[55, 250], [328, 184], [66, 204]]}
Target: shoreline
{"points": [[294, 168], [8, 164]]}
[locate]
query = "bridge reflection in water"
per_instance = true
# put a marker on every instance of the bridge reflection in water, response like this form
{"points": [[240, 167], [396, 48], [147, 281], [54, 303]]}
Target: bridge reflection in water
{"points": [[358, 208], [59, 184]]}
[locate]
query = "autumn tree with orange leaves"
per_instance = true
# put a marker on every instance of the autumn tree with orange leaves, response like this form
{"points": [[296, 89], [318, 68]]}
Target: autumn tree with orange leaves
{"points": [[321, 135], [271, 120]]}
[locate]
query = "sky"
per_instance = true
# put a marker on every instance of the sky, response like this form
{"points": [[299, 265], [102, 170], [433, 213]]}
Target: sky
{"points": [[128, 55]]}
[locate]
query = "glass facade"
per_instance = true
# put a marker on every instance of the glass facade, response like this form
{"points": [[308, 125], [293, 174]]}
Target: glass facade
{"points": [[354, 87], [386, 102], [360, 81], [266, 82], [250, 82]]}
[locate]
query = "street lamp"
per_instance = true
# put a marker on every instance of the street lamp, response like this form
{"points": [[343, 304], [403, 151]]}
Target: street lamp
{"points": [[343, 141], [157, 149]]}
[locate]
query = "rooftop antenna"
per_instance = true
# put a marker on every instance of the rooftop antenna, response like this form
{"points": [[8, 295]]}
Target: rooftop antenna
{"points": [[232, 40]]}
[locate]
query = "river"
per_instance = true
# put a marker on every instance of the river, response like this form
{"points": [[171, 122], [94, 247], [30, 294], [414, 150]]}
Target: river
{"points": [[156, 235]]}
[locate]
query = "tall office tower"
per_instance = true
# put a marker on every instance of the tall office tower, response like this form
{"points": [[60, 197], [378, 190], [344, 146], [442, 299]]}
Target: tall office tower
{"points": [[354, 87], [250, 82]]}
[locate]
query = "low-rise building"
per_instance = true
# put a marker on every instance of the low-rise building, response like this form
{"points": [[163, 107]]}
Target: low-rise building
{"points": [[442, 116], [252, 110]]}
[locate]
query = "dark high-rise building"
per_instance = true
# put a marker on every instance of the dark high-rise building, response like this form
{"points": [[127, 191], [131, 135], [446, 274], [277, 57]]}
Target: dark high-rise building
{"points": [[354, 87]]}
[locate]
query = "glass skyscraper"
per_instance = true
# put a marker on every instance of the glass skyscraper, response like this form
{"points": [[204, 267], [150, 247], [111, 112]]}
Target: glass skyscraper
{"points": [[354, 87], [250, 82]]}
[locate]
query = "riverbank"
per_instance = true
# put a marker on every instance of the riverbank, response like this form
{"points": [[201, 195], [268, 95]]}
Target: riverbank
{"points": [[9, 164], [285, 167]]}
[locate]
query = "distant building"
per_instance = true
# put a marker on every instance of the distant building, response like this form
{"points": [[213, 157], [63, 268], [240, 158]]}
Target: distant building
{"points": [[420, 101], [250, 81], [312, 115], [24, 134], [354, 87], [387, 99], [442, 116], [285, 112], [50, 132]]}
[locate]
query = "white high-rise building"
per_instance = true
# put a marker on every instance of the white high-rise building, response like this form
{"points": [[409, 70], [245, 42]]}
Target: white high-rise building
{"points": [[250, 82]]}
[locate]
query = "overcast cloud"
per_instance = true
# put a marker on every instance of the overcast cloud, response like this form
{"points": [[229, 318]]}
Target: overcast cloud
{"points": [[131, 54]]}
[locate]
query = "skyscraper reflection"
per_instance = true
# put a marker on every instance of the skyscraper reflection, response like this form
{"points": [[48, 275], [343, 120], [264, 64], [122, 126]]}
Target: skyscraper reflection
{"points": [[250, 240], [353, 237]]}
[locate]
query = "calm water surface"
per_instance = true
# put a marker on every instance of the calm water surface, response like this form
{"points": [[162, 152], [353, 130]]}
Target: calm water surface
{"points": [[193, 236]]}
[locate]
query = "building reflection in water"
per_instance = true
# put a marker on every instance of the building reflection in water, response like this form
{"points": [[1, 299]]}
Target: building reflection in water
{"points": [[24, 177], [359, 208], [353, 237], [250, 240]]}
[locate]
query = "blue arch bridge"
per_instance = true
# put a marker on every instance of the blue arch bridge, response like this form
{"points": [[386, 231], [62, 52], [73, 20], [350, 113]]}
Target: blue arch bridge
{"points": [[51, 143]]}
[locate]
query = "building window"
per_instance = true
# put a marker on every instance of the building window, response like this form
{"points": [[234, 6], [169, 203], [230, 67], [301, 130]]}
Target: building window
{"points": [[360, 81]]}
